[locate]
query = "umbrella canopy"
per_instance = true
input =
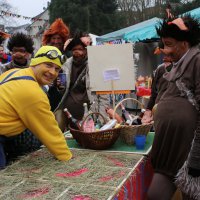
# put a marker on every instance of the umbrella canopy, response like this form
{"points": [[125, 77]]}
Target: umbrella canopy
{"points": [[141, 31], [194, 13]]}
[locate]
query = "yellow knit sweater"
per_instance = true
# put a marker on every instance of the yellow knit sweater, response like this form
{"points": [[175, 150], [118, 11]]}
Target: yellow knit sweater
{"points": [[24, 105]]}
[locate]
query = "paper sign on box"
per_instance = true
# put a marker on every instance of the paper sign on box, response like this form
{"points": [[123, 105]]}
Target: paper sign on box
{"points": [[111, 62], [111, 74]]}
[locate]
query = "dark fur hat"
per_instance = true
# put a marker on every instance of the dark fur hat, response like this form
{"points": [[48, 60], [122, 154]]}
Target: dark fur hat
{"points": [[79, 38], [188, 30]]}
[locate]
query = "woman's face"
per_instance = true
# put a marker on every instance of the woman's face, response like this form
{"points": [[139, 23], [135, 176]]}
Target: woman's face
{"points": [[174, 49]]}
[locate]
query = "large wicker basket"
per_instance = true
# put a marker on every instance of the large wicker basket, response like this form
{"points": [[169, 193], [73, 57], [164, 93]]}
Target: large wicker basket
{"points": [[97, 140], [128, 133]]}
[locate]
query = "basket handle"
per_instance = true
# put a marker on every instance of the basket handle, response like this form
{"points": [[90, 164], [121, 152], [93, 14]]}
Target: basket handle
{"points": [[93, 113], [135, 100]]}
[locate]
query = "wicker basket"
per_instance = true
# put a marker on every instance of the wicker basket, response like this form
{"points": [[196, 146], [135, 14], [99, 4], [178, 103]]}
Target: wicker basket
{"points": [[97, 140], [128, 133]]}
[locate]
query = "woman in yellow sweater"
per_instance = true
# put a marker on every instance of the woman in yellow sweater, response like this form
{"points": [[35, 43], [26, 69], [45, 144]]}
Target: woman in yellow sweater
{"points": [[24, 105]]}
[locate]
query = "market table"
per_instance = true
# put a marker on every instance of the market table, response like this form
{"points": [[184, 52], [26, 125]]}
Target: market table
{"points": [[90, 175]]}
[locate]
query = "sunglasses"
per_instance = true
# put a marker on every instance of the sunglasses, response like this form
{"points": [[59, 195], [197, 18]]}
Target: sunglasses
{"points": [[53, 54]]}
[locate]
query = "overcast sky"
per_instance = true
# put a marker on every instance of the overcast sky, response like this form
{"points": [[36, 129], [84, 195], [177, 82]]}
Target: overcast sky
{"points": [[28, 8]]}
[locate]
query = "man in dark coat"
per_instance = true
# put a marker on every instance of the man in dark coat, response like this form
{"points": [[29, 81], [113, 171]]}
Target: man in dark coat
{"points": [[159, 85], [176, 119]]}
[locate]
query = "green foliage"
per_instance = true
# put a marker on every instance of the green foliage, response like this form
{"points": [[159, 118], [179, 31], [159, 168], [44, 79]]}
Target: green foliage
{"points": [[175, 1], [187, 7], [95, 16], [107, 6], [104, 16]]}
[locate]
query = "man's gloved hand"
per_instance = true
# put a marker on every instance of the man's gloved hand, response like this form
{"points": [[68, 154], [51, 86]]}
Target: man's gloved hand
{"points": [[193, 172]]}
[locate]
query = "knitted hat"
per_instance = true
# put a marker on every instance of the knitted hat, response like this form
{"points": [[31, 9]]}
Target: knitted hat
{"points": [[41, 59], [57, 27]]}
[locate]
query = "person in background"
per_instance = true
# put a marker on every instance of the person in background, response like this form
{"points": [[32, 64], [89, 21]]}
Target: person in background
{"points": [[25, 105], [56, 36], [78, 87], [176, 119], [21, 47], [159, 85], [4, 58]]}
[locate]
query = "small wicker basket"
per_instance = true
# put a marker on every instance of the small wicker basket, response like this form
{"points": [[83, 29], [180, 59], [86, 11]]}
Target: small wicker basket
{"points": [[97, 140], [128, 133]]}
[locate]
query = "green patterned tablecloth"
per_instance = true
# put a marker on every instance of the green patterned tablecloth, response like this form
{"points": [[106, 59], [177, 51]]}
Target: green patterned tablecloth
{"points": [[120, 146]]}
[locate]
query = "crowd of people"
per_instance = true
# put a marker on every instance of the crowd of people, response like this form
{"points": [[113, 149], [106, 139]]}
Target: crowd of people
{"points": [[32, 100], [20, 127]]}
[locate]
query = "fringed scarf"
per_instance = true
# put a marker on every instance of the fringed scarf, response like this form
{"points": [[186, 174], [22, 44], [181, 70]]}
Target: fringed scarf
{"points": [[188, 184]]}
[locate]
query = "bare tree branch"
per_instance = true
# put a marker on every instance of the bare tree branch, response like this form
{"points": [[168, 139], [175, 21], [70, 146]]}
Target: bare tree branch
{"points": [[6, 20]]}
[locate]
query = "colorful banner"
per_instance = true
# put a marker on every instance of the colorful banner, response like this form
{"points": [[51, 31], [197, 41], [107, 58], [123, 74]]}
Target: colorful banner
{"points": [[117, 41], [136, 187], [20, 16]]}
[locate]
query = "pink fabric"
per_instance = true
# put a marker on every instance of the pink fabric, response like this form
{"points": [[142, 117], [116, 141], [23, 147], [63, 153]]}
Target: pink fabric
{"points": [[86, 40], [80, 197], [72, 174], [34, 193], [116, 162], [110, 177], [180, 23]]}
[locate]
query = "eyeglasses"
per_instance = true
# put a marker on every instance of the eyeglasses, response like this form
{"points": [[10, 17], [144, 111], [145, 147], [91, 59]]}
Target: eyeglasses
{"points": [[53, 54]]}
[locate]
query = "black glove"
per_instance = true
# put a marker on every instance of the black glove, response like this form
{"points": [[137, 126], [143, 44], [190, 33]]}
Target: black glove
{"points": [[193, 172]]}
